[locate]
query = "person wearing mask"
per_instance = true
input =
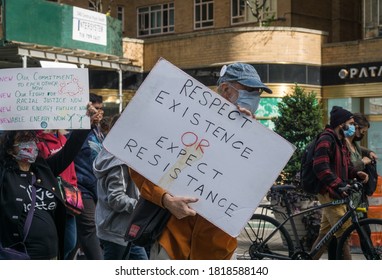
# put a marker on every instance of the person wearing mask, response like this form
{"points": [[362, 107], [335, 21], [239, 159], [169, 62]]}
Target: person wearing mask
{"points": [[360, 156], [117, 197], [22, 171], [188, 235], [50, 142], [88, 241], [333, 169]]}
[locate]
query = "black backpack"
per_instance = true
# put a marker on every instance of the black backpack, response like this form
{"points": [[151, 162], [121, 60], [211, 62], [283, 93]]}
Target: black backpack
{"points": [[146, 223], [371, 185], [308, 180]]}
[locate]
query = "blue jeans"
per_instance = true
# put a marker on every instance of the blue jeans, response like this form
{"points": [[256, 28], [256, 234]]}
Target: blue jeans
{"points": [[114, 251]]}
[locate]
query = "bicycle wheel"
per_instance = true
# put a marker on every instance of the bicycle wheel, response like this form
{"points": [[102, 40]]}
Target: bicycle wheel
{"points": [[358, 246], [260, 239]]}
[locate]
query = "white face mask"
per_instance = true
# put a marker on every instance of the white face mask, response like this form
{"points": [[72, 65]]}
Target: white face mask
{"points": [[28, 152]]}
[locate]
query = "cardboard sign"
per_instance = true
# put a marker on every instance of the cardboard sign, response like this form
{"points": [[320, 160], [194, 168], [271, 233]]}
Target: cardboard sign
{"points": [[192, 142], [44, 98]]}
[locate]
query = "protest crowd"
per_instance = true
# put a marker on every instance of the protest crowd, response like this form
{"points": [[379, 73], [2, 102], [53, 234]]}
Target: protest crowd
{"points": [[35, 218]]}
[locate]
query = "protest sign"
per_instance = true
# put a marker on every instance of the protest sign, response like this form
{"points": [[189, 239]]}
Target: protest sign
{"points": [[44, 98], [192, 142]]}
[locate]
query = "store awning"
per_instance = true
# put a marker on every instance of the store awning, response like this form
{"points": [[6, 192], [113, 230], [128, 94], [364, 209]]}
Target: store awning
{"points": [[18, 55]]}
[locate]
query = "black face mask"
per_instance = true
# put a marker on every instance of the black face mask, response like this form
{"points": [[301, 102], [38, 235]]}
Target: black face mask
{"points": [[342, 132], [358, 138]]}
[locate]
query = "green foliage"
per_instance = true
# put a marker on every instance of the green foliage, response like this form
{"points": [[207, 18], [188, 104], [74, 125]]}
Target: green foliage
{"points": [[299, 121]]}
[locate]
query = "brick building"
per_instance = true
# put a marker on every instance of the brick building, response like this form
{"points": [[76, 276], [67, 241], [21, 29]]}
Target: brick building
{"points": [[329, 46]]}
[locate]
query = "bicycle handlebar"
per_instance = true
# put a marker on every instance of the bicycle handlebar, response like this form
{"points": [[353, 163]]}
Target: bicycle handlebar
{"points": [[355, 186]]}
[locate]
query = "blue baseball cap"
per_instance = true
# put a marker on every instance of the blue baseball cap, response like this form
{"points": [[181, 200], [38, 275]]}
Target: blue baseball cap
{"points": [[242, 73]]}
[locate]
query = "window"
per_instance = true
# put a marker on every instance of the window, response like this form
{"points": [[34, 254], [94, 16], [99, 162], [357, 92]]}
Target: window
{"points": [[350, 104], [204, 13], [253, 11], [95, 5], [121, 16], [374, 141], [373, 106], [157, 19], [372, 18]]}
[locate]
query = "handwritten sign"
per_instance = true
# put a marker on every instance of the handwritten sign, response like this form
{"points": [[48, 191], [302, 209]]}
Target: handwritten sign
{"points": [[192, 142], [42, 98]]}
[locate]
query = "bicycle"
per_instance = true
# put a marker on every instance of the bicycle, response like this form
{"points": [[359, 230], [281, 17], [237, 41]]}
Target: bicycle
{"points": [[269, 239]]}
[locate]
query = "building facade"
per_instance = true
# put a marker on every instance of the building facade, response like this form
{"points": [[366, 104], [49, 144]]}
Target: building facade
{"points": [[330, 47]]}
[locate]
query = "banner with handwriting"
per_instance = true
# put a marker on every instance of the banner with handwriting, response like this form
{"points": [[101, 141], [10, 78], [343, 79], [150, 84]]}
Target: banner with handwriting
{"points": [[192, 142], [44, 98]]}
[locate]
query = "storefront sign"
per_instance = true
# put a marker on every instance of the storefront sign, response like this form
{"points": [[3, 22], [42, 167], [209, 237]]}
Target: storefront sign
{"points": [[89, 26], [352, 74], [360, 72], [192, 142]]}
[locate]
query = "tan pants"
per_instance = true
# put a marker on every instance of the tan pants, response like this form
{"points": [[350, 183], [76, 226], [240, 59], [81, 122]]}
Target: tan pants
{"points": [[331, 215]]}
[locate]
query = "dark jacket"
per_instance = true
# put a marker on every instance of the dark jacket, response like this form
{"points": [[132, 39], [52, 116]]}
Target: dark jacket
{"points": [[45, 171], [83, 162], [332, 163]]}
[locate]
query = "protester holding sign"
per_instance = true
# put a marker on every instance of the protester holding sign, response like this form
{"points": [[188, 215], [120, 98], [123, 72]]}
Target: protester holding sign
{"points": [[87, 183], [21, 172], [50, 142], [187, 234]]}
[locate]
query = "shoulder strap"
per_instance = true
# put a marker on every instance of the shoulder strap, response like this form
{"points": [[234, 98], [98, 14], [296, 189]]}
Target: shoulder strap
{"points": [[29, 218], [327, 133]]}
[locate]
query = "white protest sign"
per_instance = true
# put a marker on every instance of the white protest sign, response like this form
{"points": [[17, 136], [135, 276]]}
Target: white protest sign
{"points": [[44, 98], [192, 142]]}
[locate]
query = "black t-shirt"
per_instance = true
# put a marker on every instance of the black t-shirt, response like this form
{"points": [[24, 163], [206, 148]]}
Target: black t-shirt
{"points": [[42, 239]]}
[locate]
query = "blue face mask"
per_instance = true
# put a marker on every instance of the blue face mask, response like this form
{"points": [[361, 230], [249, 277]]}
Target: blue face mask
{"points": [[249, 100], [350, 131]]}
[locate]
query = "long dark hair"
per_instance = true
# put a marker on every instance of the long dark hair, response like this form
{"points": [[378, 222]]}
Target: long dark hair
{"points": [[361, 120]]}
